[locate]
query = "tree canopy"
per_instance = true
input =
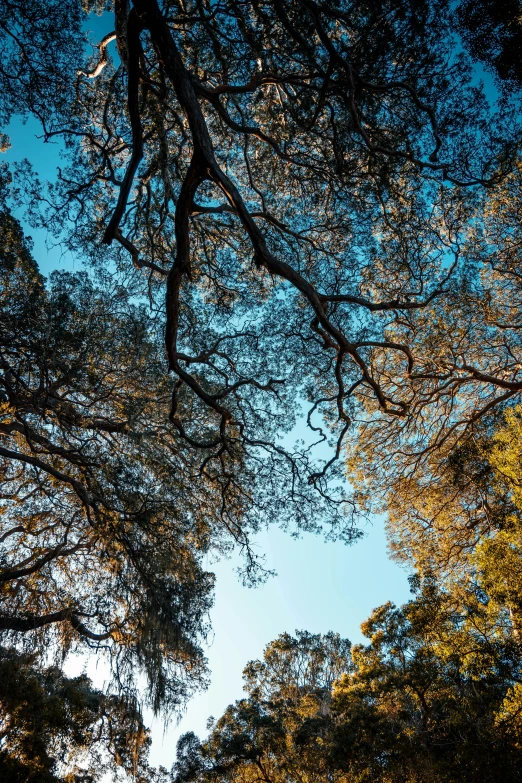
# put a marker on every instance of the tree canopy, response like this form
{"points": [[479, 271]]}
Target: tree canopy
{"points": [[57, 729], [299, 180], [100, 542], [433, 696], [286, 210]]}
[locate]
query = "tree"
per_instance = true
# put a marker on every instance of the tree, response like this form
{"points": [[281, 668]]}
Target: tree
{"points": [[463, 523], [297, 178], [57, 729], [429, 696], [278, 732], [103, 530], [493, 33], [107, 512], [434, 695], [431, 472], [330, 209], [305, 182]]}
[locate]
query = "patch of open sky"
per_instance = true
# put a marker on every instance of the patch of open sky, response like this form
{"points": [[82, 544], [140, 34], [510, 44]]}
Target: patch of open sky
{"points": [[27, 144]]}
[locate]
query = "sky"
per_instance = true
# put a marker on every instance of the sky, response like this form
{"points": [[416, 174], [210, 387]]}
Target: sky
{"points": [[318, 587]]}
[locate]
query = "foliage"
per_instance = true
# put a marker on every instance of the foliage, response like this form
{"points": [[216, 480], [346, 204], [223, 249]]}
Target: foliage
{"points": [[102, 530], [298, 179], [56, 729], [433, 475], [278, 732], [41, 41], [301, 203], [499, 556], [433, 696], [315, 189], [462, 522], [493, 32]]}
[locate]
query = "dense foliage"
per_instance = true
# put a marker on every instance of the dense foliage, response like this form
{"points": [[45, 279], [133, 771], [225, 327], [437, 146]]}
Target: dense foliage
{"points": [[434, 696], [101, 537], [57, 729], [285, 208], [299, 180]]}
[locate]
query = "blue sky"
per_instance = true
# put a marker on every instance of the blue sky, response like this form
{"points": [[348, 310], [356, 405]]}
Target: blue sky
{"points": [[319, 586]]}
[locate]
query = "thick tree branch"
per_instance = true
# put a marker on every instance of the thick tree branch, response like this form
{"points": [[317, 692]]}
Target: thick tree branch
{"points": [[134, 52]]}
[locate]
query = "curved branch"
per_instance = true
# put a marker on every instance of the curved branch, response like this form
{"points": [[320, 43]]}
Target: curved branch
{"points": [[17, 573], [80, 490], [84, 631], [480, 376], [134, 50], [31, 623], [102, 62]]}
